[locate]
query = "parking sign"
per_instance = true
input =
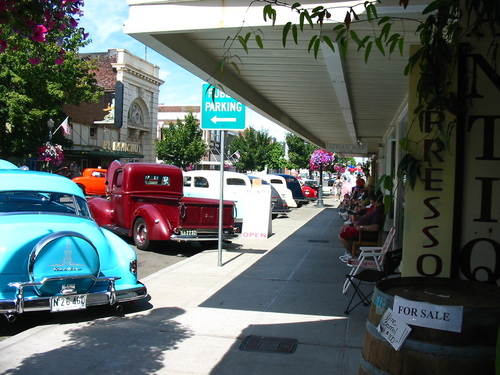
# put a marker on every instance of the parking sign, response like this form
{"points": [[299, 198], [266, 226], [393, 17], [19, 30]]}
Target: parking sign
{"points": [[221, 112]]}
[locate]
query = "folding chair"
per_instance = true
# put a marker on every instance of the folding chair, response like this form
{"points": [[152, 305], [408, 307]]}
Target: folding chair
{"points": [[369, 257], [392, 261], [355, 246]]}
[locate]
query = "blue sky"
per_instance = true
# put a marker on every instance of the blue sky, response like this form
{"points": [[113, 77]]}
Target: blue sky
{"points": [[104, 20]]}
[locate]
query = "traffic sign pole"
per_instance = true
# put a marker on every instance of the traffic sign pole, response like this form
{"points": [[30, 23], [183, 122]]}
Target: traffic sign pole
{"points": [[221, 197]]}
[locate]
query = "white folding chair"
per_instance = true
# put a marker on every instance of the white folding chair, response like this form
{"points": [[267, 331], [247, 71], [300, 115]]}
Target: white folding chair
{"points": [[371, 257]]}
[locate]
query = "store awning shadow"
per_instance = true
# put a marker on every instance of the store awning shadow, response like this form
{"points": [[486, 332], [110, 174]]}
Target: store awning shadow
{"points": [[302, 275]]}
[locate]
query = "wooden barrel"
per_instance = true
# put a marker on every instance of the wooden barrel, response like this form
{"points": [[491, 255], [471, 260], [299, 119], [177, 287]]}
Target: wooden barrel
{"points": [[433, 351]]}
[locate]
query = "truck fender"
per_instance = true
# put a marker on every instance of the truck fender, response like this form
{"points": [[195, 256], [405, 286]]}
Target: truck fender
{"points": [[159, 227], [101, 211]]}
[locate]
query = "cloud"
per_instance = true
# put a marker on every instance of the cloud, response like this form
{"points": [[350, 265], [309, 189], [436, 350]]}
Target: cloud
{"points": [[104, 20]]}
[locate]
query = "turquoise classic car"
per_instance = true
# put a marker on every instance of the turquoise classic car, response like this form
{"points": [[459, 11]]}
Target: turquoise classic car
{"points": [[53, 255]]}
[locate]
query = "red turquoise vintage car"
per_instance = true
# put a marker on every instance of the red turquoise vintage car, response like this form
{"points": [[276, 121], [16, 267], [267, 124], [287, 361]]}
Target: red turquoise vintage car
{"points": [[145, 201]]}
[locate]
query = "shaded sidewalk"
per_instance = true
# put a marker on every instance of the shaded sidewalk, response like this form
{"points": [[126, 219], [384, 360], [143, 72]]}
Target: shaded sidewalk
{"points": [[288, 286]]}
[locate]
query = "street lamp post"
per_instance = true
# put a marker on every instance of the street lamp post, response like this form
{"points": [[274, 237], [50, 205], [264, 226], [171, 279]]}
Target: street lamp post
{"points": [[50, 125], [319, 203]]}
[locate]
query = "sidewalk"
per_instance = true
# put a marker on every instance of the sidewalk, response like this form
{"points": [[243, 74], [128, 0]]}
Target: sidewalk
{"points": [[289, 286]]}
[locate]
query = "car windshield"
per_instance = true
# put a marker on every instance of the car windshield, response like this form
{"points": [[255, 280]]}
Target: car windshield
{"points": [[36, 201]]}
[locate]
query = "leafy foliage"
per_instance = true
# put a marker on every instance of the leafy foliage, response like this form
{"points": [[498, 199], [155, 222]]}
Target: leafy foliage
{"points": [[440, 35], [299, 151], [32, 94], [40, 22], [254, 148], [182, 144], [276, 157]]}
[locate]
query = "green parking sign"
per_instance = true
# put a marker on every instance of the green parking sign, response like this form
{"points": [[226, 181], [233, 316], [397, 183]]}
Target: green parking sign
{"points": [[219, 111]]}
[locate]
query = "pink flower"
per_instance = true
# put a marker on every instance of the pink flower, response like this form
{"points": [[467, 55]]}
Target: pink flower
{"points": [[60, 59], [34, 60], [321, 159], [51, 153], [39, 34], [3, 45]]}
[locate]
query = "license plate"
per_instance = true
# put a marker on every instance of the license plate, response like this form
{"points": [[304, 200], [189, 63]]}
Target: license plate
{"points": [[189, 232], [67, 303]]}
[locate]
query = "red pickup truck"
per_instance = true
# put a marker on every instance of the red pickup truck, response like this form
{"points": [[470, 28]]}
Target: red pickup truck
{"points": [[145, 201]]}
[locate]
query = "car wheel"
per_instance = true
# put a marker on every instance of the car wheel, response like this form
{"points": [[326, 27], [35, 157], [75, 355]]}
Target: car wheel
{"points": [[64, 263], [141, 238]]}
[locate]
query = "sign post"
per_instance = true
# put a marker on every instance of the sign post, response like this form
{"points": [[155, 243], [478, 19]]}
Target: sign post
{"points": [[221, 199], [221, 112]]}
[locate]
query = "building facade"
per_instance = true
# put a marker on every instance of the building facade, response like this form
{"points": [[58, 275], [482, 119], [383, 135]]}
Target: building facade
{"points": [[123, 125]]}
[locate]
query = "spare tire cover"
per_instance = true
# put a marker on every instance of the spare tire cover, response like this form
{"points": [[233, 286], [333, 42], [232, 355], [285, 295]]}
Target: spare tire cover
{"points": [[69, 258]]}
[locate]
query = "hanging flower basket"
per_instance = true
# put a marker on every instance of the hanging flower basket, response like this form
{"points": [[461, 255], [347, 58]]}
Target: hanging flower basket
{"points": [[51, 154], [321, 159], [340, 168]]}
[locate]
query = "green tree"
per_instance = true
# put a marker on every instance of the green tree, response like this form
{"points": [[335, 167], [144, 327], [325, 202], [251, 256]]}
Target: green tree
{"points": [[276, 157], [254, 148], [182, 144], [299, 151], [36, 80]]}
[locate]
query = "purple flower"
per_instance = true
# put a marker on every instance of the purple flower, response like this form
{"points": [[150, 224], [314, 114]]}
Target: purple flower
{"points": [[321, 159]]}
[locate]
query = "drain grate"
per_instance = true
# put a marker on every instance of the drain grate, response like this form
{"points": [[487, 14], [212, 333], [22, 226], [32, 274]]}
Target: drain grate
{"points": [[320, 241], [269, 344]]}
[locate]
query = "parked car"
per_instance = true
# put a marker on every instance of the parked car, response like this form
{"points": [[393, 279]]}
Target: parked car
{"points": [[54, 255], [279, 184], [310, 189], [206, 184], [294, 185], [146, 201], [326, 189], [92, 181], [4, 164], [278, 205]]}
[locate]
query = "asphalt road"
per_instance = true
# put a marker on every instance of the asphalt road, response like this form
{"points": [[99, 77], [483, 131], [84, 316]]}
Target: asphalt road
{"points": [[163, 255]]}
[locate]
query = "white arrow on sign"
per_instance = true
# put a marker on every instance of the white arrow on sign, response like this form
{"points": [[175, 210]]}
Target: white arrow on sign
{"points": [[216, 119]]}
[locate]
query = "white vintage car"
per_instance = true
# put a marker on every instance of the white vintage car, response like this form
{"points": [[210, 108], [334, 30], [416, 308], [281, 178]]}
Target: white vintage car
{"points": [[280, 185], [206, 184]]}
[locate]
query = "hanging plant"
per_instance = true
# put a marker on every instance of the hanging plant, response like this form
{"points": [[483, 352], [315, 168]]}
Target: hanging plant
{"points": [[340, 168], [321, 160], [50, 153], [440, 35]]}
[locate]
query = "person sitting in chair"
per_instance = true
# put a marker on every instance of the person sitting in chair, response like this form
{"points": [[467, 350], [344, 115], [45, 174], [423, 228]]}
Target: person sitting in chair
{"points": [[369, 224]]}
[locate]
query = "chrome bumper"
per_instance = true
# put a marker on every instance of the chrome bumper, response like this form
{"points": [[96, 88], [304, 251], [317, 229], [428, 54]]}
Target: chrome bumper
{"points": [[205, 235], [111, 296]]}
